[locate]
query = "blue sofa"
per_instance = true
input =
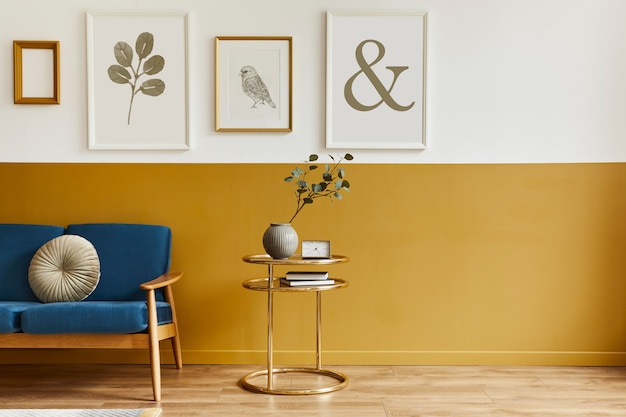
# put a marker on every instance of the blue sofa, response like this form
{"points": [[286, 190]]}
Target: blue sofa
{"points": [[131, 307]]}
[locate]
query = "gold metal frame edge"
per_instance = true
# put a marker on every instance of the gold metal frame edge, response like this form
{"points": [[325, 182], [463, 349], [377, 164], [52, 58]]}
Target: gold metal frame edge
{"points": [[247, 385]]}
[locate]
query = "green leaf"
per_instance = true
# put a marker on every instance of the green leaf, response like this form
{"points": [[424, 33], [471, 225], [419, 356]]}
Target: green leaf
{"points": [[154, 65], [144, 44], [123, 54], [154, 87], [331, 185], [119, 75]]}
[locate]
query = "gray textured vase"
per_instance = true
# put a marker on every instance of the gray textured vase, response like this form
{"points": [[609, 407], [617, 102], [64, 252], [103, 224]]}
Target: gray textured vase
{"points": [[280, 240]]}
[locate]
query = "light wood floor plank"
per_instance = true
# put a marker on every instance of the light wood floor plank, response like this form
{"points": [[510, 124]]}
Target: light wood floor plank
{"points": [[374, 391]]}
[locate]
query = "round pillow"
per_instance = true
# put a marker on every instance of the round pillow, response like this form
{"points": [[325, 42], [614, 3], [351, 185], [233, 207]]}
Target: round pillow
{"points": [[66, 268]]}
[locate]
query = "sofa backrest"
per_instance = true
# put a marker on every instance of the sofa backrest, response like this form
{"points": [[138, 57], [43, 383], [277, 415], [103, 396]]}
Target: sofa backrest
{"points": [[130, 254], [18, 244]]}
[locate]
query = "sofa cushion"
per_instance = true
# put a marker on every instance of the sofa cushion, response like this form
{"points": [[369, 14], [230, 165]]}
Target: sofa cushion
{"points": [[18, 244], [10, 315], [130, 254], [110, 317], [65, 268]]}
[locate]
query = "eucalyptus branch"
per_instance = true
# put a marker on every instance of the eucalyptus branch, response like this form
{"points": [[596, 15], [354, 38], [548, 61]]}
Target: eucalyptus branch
{"points": [[120, 73], [306, 192]]}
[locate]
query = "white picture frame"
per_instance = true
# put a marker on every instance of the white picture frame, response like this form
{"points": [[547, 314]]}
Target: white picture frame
{"points": [[376, 79], [139, 103], [253, 57]]}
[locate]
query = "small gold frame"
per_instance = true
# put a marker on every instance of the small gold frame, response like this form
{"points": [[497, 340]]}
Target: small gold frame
{"points": [[18, 75]]}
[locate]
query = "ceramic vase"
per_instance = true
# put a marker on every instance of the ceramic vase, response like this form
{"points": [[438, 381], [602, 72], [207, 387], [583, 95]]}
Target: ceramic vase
{"points": [[280, 240]]}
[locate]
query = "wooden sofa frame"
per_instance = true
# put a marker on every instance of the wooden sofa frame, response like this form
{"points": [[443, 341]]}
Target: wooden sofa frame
{"points": [[149, 340]]}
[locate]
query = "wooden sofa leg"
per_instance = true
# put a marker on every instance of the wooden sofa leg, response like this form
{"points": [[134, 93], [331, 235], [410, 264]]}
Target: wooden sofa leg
{"points": [[155, 357], [155, 368], [178, 357]]}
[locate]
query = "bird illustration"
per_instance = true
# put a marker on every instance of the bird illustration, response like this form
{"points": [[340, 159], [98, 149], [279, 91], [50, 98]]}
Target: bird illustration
{"points": [[254, 87]]}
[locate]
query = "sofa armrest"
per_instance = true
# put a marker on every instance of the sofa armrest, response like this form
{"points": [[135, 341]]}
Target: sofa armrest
{"points": [[162, 281]]}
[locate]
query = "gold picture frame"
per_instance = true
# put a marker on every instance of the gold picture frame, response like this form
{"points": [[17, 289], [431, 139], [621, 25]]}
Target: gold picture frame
{"points": [[253, 84], [33, 81]]}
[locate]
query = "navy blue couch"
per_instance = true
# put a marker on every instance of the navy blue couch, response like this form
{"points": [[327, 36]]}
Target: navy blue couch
{"points": [[132, 306]]}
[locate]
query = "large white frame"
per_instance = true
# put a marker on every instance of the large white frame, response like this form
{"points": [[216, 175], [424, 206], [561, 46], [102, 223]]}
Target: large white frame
{"points": [[376, 79], [120, 119]]}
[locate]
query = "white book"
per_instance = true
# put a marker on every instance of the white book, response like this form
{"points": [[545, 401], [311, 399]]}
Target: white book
{"points": [[305, 283], [306, 275]]}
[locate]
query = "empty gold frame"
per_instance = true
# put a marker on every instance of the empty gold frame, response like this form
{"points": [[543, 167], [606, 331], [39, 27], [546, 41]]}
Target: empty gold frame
{"points": [[36, 72]]}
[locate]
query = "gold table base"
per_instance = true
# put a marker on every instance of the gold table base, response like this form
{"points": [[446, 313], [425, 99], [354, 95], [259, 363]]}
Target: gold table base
{"points": [[246, 384]]}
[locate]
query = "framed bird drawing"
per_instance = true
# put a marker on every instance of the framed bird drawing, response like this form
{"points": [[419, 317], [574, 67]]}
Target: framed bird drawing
{"points": [[253, 84]]}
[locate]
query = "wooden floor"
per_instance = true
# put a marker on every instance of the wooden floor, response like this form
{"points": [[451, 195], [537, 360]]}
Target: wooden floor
{"points": [[374, 391]]}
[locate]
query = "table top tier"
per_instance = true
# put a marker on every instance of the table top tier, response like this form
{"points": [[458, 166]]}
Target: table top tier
{"points": [[265, 259]]}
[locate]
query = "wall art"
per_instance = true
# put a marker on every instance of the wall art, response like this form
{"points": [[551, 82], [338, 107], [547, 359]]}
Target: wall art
{"points": [[253, 84], [137, 73], [376, 79], [36, 72]]}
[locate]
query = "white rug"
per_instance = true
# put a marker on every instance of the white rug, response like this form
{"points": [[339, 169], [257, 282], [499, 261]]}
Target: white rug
{"points": [[96, 412]]}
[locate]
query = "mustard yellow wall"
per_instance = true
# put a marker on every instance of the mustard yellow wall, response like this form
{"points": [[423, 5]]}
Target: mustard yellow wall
{"points": [[450, 264]]}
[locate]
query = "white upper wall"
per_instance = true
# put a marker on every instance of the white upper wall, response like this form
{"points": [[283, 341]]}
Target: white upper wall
{"points": [[509, 81]]}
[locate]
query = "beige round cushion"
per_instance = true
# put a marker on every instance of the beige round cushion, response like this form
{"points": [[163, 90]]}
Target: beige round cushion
{"points": [[66, 268]]}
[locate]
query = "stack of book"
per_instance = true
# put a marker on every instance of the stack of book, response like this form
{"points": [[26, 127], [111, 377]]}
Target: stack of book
{"points": [[306, 278]]}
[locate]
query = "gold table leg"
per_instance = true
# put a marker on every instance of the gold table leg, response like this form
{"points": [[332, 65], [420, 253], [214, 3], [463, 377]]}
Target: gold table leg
{"points": [[270, 329]]}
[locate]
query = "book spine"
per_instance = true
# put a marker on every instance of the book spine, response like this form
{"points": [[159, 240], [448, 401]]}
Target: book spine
{"points": [[304, 275], [296, 283]]}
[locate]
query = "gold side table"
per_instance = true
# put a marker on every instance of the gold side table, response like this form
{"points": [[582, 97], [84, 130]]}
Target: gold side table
{"points": [[271, 285]]}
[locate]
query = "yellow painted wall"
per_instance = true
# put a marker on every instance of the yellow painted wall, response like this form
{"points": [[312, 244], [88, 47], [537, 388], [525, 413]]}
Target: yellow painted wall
{"points": [[450, 264]]}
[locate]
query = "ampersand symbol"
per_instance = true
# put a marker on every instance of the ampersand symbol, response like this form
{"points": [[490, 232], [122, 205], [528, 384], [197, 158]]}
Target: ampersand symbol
{"points": [[366, 68]]}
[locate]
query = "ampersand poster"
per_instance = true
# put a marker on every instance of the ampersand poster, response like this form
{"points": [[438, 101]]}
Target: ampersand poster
{"points": [[376, 80]]}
